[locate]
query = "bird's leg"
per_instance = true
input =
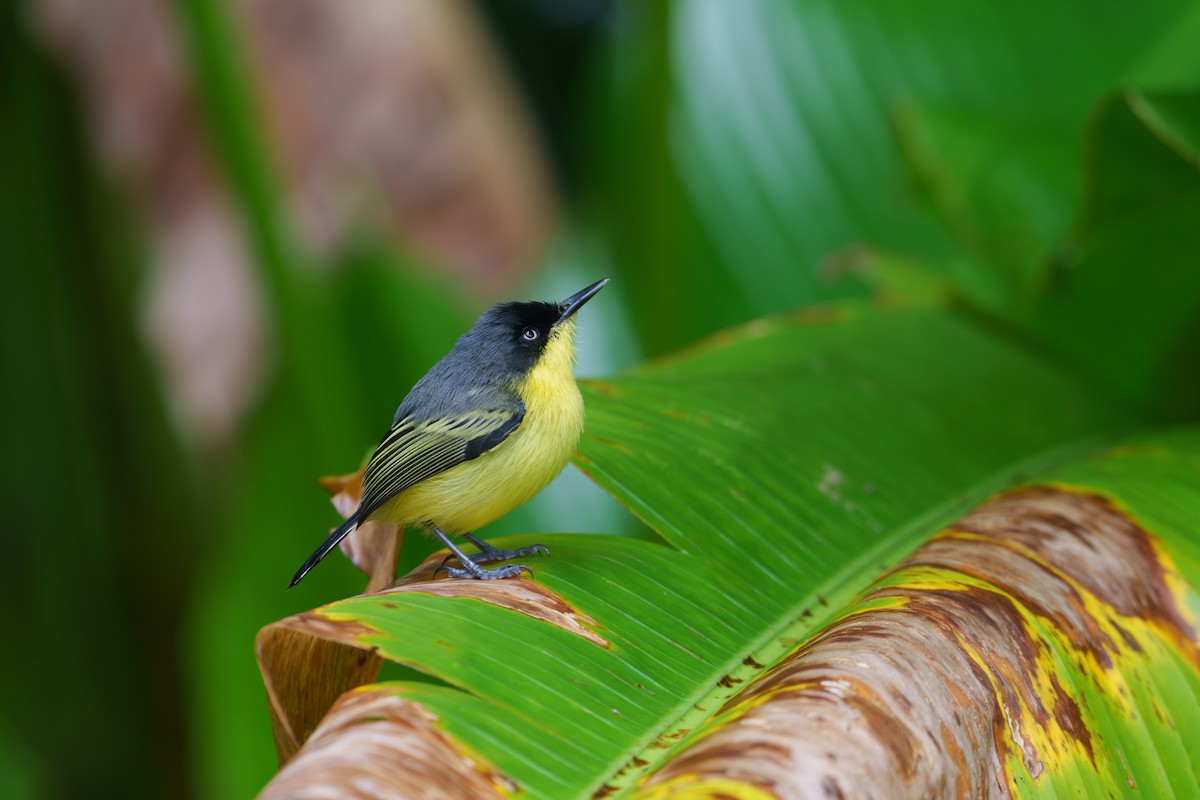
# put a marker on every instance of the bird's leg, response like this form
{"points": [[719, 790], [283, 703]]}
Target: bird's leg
{"points": [[471, 569], [489, 554]]}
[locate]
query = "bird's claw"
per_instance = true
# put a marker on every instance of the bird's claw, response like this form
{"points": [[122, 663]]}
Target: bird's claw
{"points": [[489, 554], [472, 570], [470, 566]]}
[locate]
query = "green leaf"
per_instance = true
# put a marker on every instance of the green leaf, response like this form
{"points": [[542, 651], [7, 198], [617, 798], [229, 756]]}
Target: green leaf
{"points": [[784, 464], [783, 127], [1173, 62], [1122, 298], [735, 150], [1004, 212]]}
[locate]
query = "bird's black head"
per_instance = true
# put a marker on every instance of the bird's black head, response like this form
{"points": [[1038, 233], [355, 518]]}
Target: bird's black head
{"points": [[513, 337], [519, 332]]}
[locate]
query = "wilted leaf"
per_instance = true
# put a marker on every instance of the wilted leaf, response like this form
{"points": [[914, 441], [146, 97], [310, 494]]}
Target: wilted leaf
{"points": [[375, 546], [405, 104], [289, 659], [373, 742], [1021, 651]]}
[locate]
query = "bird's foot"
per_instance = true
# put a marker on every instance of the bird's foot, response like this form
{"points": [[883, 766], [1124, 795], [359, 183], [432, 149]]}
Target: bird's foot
{"points": [[470, 566], [488, 554], [472, 570]]}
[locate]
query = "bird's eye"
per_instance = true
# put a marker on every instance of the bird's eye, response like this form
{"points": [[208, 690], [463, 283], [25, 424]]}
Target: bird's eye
{"points": [[530, 334]]}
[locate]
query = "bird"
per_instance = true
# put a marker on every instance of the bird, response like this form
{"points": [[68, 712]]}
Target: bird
{"points": [[486, 429]]}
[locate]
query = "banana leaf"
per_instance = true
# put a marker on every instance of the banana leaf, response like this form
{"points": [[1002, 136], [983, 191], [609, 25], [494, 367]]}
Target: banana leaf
{"points": [[787, 465]]}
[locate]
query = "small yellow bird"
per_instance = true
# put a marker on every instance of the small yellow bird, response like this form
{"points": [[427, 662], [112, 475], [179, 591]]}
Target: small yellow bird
{"points": [[485, 430]]}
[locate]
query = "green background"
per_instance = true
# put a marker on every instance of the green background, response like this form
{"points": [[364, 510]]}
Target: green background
{"points": [[719, 161]]}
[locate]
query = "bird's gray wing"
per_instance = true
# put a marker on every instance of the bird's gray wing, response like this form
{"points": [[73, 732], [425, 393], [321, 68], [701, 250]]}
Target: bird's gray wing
{"points": [[416, 449]]}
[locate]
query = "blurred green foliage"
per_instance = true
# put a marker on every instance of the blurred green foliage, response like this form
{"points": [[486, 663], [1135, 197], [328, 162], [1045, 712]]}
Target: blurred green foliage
{"points": [[721, 160], [99, 500]]}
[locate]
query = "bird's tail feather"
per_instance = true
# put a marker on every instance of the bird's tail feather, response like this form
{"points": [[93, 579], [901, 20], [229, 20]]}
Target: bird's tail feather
{"points": [[341, 532]]}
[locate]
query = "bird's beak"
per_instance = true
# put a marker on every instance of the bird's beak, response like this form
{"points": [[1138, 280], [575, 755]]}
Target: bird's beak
{"points": [[576, 301]]}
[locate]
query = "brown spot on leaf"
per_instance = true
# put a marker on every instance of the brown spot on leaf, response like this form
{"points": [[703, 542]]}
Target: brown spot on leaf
{"points": [[750, 662], [830, 788], [668, 738], [602, 387], [612, 443], [1070, 718]]}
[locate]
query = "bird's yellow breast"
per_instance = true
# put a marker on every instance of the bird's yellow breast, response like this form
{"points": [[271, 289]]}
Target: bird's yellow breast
{"points": [[470, 495]]}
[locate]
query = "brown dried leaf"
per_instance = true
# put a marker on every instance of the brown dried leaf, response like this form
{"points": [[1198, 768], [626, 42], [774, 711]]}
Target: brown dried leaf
{"points": [[374, 547], [926, 688], [345, 491], [374, 744], [304, 675], [408, 103], [309, 659], [202, 314]]}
